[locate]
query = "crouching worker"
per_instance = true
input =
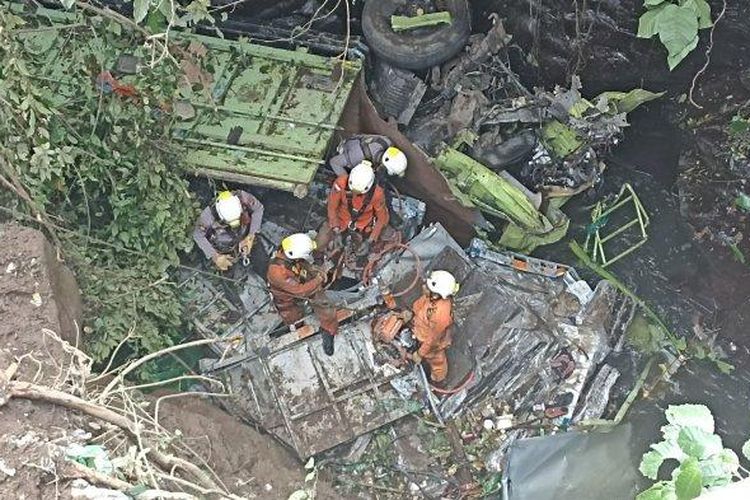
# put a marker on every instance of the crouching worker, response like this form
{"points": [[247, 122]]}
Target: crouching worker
{"points": [[387, 159], [294, 280], [431, 324], [226, 230], [356, 205]]}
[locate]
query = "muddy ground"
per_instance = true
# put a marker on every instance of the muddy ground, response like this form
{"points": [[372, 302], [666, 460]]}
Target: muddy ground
{"points": [[38, 301]]}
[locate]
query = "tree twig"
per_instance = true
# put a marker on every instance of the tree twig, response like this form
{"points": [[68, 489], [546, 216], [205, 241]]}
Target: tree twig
{"points": [[708, 56], [125, 369], [26, 390]]}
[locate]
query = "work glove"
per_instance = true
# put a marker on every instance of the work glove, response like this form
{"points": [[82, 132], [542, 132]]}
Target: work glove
{"points": [[246, 245], [321, 279], [222, 262]]}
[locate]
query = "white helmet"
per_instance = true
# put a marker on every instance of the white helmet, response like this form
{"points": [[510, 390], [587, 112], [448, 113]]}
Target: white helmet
{"points": [[442, 283], [298, 246], [362, 177], [229, 208], [394, 161]]}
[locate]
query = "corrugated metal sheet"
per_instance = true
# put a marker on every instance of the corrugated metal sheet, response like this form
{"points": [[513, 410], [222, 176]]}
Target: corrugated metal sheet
{"points": [[313, 402]]}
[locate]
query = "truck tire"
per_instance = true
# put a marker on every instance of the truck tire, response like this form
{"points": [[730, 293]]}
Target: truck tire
{"points": [[420, 48]]}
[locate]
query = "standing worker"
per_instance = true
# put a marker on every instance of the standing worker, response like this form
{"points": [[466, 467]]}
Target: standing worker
{"points": [[294, 280], [377, 149], [226, 230], [355, 204], [431, 324]]}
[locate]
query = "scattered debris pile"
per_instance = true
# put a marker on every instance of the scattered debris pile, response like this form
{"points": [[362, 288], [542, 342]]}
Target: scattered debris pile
{"points": [[530, 339], [545, 145]]}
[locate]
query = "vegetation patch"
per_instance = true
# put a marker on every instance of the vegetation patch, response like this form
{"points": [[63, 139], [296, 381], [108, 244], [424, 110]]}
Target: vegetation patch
{"points": [[90, 156]]}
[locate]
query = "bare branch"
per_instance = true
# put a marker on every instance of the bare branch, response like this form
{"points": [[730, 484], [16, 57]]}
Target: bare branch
{"points": [[708, 56]]}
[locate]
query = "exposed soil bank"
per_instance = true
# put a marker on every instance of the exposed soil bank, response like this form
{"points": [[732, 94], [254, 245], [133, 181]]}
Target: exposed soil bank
{"points": [[38, 300]]}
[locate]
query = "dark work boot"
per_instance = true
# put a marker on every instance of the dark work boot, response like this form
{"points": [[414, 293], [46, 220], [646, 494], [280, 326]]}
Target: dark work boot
{"points": [[327, 343]]}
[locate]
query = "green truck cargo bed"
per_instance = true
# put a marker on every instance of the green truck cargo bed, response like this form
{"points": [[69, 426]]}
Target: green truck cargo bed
{"points": [[283, 106]]}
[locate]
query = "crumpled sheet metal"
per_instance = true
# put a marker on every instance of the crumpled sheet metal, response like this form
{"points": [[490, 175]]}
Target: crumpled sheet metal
{"points": [[313, 402], [507, 331], [517, 326]]}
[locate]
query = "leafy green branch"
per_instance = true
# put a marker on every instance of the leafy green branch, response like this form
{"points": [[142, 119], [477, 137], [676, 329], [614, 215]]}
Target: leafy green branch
{"points": [[101, 165], [677, 25]]}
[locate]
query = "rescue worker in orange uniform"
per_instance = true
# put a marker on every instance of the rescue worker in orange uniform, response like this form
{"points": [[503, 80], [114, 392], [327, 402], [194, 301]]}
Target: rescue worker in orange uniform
{"points": [[293, 280], [355, 204], [432, 319]]}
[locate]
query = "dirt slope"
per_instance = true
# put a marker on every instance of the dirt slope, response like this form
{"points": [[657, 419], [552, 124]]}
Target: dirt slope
{"points": [[40, 300]]}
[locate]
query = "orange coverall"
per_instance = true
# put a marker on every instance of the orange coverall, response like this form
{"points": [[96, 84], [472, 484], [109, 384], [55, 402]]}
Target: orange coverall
{"points": [[431, 327], [292, 282], [371, 219]]}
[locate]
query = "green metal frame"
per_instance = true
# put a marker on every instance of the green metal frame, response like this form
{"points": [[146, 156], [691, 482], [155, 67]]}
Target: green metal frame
{"points": [[596, 241]]}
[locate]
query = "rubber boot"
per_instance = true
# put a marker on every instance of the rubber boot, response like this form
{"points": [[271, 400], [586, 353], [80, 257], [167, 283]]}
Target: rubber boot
{"points": [[327, 343]]}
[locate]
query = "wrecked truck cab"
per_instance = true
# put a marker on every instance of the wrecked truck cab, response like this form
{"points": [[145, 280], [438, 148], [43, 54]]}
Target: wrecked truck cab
{"points": [[514, 316]]}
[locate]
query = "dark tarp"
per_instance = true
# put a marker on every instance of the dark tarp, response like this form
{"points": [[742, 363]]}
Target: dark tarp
{"points": [[422, 180], [574, 466]]}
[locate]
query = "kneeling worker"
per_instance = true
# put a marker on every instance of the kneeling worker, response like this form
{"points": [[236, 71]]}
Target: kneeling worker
{"points": [[431, 323], [355, 204], [226, 229], [294, 280], [377, 149]]}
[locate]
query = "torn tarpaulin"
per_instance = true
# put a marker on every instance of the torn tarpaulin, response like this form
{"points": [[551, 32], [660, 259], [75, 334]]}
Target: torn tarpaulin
{"points": [[587, 466]]}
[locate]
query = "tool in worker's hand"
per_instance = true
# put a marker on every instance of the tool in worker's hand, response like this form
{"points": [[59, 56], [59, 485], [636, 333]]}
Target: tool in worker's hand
{"points": [[246, 247], [387, 326], [223, 262]]}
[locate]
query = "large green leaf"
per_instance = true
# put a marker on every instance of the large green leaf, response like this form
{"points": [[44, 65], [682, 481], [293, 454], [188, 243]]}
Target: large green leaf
{"points": [[648, 22], [719, 469], [653, 3], [698, 443], [702, 11], [746, 449], [668, 448], [678, 31], [662, 490], [140, 9], [650, 464], [689, 483], [691, 415], [674, 59]]}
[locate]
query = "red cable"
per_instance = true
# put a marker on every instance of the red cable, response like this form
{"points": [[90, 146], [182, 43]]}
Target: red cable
{"points": [[456, 389]]}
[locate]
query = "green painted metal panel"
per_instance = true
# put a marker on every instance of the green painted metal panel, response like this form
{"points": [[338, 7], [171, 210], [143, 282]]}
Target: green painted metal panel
{"points": [[287, 105]]}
